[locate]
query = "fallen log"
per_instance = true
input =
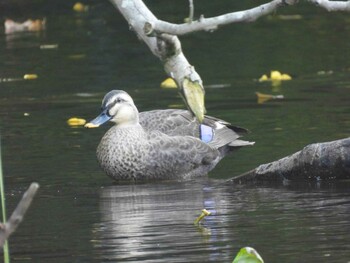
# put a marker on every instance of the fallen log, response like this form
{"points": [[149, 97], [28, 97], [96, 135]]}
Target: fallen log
{"points": [[318, 161]]}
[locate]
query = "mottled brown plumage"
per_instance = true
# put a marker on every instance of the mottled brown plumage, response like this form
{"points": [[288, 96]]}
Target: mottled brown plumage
{"points": [[160, 144]]}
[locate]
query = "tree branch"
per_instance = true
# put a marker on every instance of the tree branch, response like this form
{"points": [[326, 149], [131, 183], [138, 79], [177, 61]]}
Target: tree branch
{"points": [[209, 24], [168, 49], [161, 38], [17, 216], [249, 15], [332, 5], [191, 7]]}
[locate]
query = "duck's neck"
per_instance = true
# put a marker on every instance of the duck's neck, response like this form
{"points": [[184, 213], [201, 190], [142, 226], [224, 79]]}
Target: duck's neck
{"points": [[128, 125], [127, 118]]}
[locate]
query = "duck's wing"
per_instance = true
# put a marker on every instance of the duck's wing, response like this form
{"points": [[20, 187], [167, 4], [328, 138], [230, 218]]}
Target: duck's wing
{"points": [[180, 155], [213, 131], [172, 122]]}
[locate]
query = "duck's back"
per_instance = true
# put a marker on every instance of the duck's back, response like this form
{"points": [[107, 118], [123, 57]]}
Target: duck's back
{"points": [[216, 132], [171, 121], [138, 155]]}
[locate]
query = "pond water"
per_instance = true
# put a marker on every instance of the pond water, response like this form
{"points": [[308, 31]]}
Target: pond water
{"points": [[79, 215]]}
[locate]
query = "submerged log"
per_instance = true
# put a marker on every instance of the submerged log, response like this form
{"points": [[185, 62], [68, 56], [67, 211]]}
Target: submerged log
{"points": [[318, 161]]}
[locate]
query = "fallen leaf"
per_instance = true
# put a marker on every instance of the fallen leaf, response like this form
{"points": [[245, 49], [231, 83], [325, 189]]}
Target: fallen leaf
{"points": [[30, 76], [74, 121], [202, 215], [266, 97], [275, 76], [79, 7]]}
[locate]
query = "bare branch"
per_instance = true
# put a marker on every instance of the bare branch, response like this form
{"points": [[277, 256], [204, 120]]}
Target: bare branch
{"points": [[250, 15], [17, 216], [190, 16], [209, 24], [332, 5]]}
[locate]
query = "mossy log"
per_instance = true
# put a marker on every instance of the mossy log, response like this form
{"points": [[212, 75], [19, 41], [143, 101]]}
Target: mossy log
{"points": [[318, 161]]}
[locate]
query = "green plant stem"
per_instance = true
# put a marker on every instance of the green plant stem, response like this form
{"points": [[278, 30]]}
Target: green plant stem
{"points": [[3, 208]]}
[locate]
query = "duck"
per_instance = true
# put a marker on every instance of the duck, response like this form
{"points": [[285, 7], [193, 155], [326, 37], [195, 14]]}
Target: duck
{"points": [[168, 144]]}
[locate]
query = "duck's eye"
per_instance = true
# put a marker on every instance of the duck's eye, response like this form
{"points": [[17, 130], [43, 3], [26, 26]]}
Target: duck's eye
{"points": [[118, 100]]}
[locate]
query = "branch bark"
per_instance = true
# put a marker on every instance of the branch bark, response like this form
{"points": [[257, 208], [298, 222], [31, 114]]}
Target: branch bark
{"points": [[168, 49], [319, 161], [190, 15], [17, 216], [209, 24], [332, 5], [249, 15]]}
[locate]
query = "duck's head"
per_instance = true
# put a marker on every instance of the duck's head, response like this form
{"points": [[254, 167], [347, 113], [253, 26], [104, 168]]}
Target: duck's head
{"points": [[117, 107]]}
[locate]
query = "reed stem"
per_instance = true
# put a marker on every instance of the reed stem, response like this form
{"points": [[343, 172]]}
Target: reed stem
{"points": [[3, 208]]}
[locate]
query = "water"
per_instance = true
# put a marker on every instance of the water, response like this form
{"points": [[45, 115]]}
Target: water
{"points": [[79, 215]]}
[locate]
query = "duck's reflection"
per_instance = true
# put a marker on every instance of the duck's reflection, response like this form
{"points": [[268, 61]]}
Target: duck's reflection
{"points": [[153, 220]]}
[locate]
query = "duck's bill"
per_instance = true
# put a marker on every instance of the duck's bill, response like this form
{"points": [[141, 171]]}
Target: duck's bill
{"points": [[99, 120]]}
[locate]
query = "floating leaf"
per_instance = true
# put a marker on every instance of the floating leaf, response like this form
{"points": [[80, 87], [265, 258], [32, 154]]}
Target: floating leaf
{"points": [[264, 78], [169, 83], [30, 76], [265, 97], [76, 121], [202, 215], [79, 7], [275, 76], [248, 255]]}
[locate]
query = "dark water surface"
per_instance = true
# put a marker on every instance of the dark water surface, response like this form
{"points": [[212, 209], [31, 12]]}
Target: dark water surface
{"points": [[79, 215]]}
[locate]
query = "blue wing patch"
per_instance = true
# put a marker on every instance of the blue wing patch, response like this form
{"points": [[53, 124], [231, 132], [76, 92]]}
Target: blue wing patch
{"points": [[206, 133]]}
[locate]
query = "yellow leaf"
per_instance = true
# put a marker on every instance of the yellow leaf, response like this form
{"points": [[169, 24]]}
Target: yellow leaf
{"points": [[275, 75], [265, 97], [30, 76], [286, 77], [76, 121], [202, 215], [193, 93], [79, 7], [263, 78], [169, 83]]}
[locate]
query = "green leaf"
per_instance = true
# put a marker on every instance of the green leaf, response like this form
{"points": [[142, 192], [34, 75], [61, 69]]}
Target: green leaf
{"points": [[248, 255]]}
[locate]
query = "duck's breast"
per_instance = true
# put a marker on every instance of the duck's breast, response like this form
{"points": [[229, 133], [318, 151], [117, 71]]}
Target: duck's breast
{"points": [[121, 153]]}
